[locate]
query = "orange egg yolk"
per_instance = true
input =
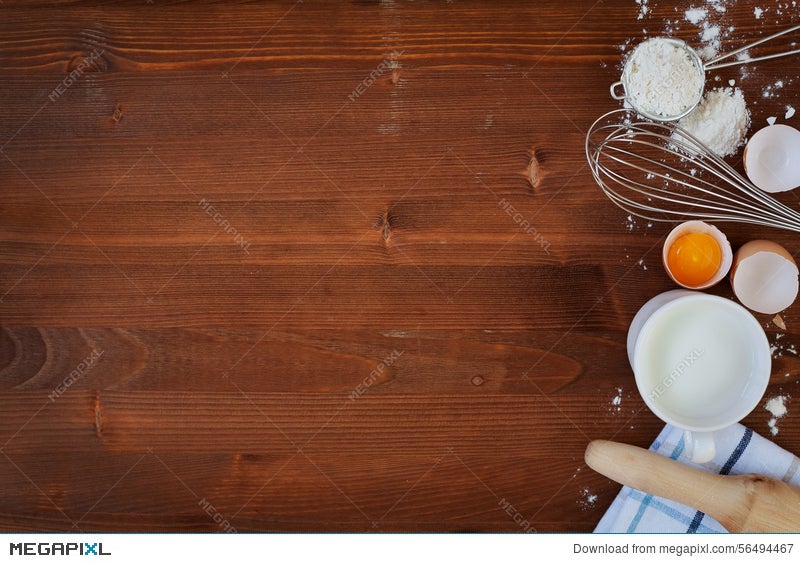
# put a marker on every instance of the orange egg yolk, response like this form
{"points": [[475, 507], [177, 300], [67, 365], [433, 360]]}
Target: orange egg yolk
{"points": [[694, 258]]}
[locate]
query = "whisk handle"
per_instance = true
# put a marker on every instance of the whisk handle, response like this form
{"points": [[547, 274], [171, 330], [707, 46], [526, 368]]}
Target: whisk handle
{"points": [[714, 63], [753, 60], [614, 93]]}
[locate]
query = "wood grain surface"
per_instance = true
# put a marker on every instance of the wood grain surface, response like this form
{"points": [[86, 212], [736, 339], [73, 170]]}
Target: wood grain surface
{"points": [[326, 266]]}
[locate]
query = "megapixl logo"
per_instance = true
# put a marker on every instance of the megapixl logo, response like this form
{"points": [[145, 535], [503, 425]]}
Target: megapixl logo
{"points": [[45, 548]]}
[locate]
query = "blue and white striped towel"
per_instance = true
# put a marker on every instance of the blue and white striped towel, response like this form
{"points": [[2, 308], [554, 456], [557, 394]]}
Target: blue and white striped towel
{"points": [[739, 451]]}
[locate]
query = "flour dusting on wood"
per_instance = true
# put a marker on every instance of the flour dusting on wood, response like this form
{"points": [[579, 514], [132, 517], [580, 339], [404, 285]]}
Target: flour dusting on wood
{"points": [[777, 408]]}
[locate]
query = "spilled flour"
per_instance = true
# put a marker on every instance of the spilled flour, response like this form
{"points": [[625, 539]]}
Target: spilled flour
{"points": [[779, 348], [712, 27], [631, 223], [588, 499], [616, 401], [720, 121], [777, 408], [617, 407]]}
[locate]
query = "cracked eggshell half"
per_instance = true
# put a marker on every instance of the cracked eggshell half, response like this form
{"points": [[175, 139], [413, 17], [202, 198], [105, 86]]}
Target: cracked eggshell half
{"points": [[772, 158], [764, 277]]}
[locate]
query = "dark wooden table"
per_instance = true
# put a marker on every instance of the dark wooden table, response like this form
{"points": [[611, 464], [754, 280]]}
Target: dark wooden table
{"points": [[325, 266]]}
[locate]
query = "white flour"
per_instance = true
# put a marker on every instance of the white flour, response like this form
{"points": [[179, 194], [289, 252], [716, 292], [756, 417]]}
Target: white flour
{"points": [[616, 401], [633, 225], [710, 34], [588, 499], [696, 15], [643, 9], [661, 78], [778, 348], [718, 5], [777, 408], [720, 121], [712, 28]]}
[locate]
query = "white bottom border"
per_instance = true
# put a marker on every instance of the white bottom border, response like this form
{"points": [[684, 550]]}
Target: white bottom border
{"points": [[389, 548]]}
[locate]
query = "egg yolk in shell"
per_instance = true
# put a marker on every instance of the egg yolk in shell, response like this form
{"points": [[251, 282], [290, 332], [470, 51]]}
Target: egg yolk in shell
{"points": [[694, 258]]}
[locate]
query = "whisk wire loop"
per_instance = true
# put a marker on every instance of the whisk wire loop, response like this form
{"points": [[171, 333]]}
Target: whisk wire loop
{"points": [[661, 172]]}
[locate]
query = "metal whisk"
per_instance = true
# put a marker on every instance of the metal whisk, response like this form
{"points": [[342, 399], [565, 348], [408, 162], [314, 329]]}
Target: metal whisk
{"points": [[660, 172]]}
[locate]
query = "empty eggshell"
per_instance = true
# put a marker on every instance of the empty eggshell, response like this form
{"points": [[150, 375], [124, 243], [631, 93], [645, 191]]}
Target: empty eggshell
{"points": [[772, 158], [764, 276]]}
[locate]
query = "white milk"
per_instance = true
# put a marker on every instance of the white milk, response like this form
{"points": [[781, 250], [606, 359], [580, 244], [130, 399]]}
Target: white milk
{"points": [[697, 361]]}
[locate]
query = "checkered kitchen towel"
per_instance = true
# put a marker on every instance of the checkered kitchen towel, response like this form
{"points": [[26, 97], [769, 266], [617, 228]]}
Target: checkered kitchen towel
{"points": [[739, 451]]}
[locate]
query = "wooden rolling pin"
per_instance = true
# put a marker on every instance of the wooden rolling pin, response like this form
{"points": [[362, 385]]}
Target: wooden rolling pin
{"points": [[741, 503]]}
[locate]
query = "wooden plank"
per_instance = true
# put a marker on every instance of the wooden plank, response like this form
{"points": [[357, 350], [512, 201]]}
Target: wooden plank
{"points": [[257, 422], [255, 492], [395, 361]]}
